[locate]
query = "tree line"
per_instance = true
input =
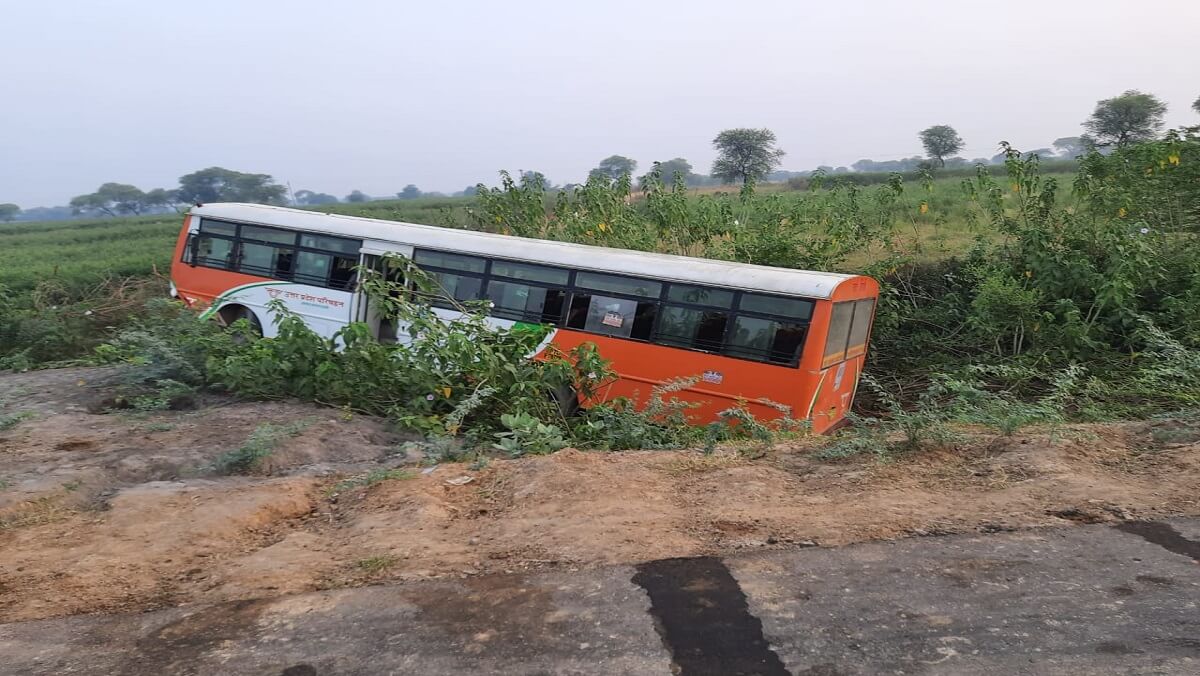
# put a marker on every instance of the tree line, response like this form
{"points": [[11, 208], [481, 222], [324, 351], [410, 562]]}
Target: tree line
{"points": [[744, 155]]}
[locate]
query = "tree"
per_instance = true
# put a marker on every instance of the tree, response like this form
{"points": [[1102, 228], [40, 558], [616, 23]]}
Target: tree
{"points": [[217, 184], [614, 167], [1132, 117], [160, 199], [746, 154], [470, 191], [940, 142], [1070, 146], [110, 199], [535, 177], [356, 196], [9, 211], [667, 171], [410, 192], [310, 198], [1196, 104]]}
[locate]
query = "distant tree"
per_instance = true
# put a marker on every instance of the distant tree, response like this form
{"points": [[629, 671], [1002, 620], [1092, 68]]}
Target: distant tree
{"points": [[9, 212], [1070, 146], [1131, 117], [160, 199], [470, 191], [614, 167], [905, 164], [745, 154], [217, 184], [671, 169], [1196, 104], [941, 141], [310, 198], [676, 167], [110, 199], [356, 196], [536, 177], [410, 192]]}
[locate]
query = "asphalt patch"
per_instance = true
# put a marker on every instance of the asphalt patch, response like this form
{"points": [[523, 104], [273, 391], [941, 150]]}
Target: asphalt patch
{"points": [[1163, 535], [702, 616]]}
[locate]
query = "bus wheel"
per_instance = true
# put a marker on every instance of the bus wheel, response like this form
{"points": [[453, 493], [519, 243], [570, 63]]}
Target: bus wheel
{"points": [[567, 400], [229, 314]]}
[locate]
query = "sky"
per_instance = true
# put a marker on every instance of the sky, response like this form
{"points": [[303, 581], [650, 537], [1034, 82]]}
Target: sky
{"points": [[376, 94]]}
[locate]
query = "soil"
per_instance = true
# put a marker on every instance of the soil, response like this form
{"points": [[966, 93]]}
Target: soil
{"points": [[105, 512]]}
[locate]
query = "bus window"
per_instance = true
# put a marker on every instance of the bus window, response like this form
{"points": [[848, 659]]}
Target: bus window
{"points": [[312, 268], [839, 331], [531, 273], [209, 226], [214, 252], [620, 317], [449, 261], [795, 308], [700, 295], [334, 244], [860, 327], [771, 340], [269, 235], [344, 272], [523, 302], [265, 260], [623, 285], [458, 287], [692, 327], [444, 268]]}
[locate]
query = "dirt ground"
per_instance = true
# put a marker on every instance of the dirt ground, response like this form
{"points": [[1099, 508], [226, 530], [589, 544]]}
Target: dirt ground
{"points": [[103, 512]]}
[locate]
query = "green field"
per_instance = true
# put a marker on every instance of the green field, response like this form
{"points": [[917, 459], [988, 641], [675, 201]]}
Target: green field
{"points": [[78, 253]]}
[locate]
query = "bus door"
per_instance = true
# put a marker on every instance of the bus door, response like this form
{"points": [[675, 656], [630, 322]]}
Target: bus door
{"points": [[367, 310]]}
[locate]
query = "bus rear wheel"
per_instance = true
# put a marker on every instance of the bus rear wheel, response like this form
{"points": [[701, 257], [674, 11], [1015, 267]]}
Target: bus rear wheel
{"points": [[567, 400], [229, 314]]}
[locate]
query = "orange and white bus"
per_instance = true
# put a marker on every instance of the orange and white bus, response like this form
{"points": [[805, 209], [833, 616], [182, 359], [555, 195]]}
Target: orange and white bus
{"points": [[750, 332]]}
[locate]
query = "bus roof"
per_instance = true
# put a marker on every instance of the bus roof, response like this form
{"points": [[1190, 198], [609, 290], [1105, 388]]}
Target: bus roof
{"points": [[667, 267]]}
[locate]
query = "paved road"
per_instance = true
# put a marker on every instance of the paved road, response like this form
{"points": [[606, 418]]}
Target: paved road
{"points": [[1083, 600]]}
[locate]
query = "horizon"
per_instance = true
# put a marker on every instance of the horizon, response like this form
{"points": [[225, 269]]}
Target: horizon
{"points": [[335, 99]]}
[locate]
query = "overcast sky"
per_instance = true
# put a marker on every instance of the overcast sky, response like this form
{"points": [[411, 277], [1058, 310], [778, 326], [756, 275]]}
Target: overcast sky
{"points": [[376, 94]]}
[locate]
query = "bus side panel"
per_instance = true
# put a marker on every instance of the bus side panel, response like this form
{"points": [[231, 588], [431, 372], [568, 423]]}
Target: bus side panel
{"points": [[642, 366]]}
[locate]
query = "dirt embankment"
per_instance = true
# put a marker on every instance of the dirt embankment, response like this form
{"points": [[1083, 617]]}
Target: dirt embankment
{"points": [[105, 512]]}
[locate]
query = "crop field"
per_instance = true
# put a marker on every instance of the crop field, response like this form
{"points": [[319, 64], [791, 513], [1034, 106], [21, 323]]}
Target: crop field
{"points": [[78, 253]]}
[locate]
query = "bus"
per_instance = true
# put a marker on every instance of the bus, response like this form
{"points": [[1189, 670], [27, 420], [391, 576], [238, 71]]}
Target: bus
{"points": [[778, 341]]}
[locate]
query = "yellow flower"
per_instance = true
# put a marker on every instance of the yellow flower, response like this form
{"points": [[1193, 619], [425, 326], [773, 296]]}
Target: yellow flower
{"points": [[1173, 159], [602, 227], [924, 207], [446, 391], [1028, 273], [1121, 212]]}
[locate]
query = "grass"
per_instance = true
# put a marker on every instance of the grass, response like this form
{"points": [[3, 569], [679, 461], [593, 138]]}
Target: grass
{"points": [[45, 509], [377, 564], [10, 421], [258, 447], [79, 253], [370, 479]]}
